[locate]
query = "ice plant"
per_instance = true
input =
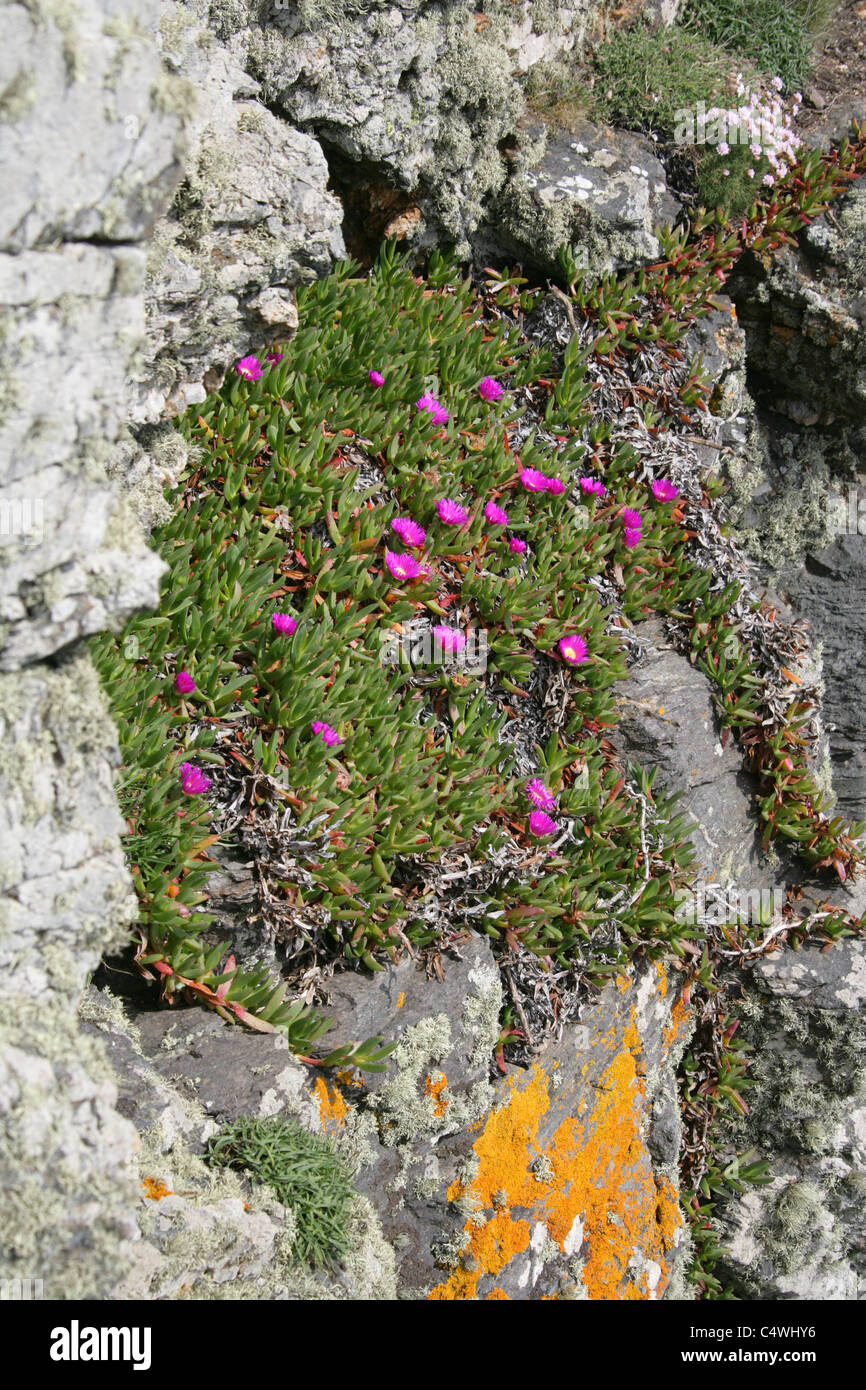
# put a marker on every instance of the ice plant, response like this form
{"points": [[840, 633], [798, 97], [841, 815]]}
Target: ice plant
{"points": [[402, 566], [274, 356], [450, 639], [376, 377], [184, 683], [516, 545], [632, 538], [554, 485], [633, 521], [284, 622], [593, 487], [451, 512], [495, 515], [408, 530], [574, 649], [429, 402], [329, 735], [663, 491], [489, 389], [250, 368], [541, 824], [193, 780], [533, 480], [540, 795]]}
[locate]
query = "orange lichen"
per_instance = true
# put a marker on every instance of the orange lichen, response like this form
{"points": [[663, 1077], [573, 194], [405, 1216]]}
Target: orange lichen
{"points": [[155, 1189], [347, 1077], [595, 1190], [332, 1107], [680, 1015], [435, 1089], [401, 999], [497, 1293]]}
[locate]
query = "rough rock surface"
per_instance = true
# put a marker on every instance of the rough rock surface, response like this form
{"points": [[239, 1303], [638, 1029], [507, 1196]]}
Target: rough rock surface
{"points": [[599, 190], [802, 1236]]}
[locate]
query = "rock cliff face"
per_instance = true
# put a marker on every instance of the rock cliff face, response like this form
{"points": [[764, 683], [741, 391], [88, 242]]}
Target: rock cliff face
{"points": [[176, 172]]}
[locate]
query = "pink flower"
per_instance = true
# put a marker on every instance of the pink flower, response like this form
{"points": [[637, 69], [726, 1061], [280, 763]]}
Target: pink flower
{"points": [[193, 780], [376, 377], [284, 622], [184, 683], [402, 566], [250, 368], [516, 545], [274, 356], [489, 389], [451, 512], [663, 491], [428, 402], [540, 795], [533, 480], [723, 147], [408, 530], [632, 538], [554, 485], [633, 521], [593, 486], [329, 735], [541, 824], [574, 649], [495, 515], [449, 638]]}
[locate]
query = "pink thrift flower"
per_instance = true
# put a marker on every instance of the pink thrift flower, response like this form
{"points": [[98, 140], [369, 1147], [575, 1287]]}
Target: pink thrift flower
{"points": [[516, 545], [449, 638], [495, 515], [574, 649], [250, 368], [633, 521], [284, 622], [451, 512], [593, 486], [184, 683], [540, 795], [329, 735], [193, 780], [541, 824], [663, 491], [376, 377], [408, 530], [489, 389], [402, 566], [533, 480], [632, 538]]}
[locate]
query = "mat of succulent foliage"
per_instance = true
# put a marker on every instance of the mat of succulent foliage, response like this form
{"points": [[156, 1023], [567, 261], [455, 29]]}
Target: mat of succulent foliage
{"points": [[429, 460]]}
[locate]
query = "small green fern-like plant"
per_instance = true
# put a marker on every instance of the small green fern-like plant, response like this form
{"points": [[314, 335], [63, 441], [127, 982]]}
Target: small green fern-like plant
{"points": [[305, 1174]]}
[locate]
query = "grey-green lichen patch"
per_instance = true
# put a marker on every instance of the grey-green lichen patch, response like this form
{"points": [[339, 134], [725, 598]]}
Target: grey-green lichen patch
{"points": [[17, 97]]}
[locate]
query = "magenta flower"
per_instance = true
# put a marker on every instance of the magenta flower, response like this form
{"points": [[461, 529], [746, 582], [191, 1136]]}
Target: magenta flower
{"points": [[376, 377], [516, 545], [450, 639], [593, 486], [632, 538], [540, 795], [451, 512], [284, 622], [632, 521], [495, 515], [489, 389], [402, 566], [541, 824], [329, 735], [428, 402], [193, 780], [574, 649], [250, 368], [408, 530], [184, 683], [533, 480], [554, 485], [274, 356], [663, 491]]}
